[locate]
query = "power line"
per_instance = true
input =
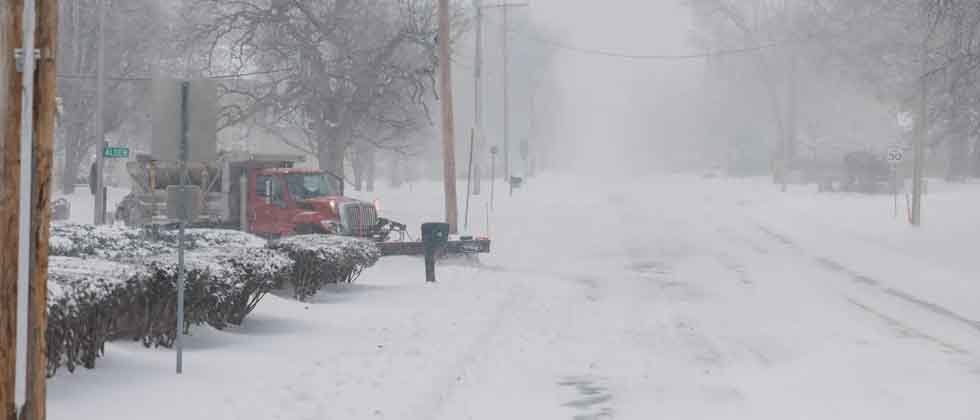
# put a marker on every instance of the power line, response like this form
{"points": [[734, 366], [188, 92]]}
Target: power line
{"points": [[691, 56], [146, 79], [662, 57]]}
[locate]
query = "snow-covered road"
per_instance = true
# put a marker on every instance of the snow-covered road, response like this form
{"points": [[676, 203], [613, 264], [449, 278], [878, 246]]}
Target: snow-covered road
{"points": [[669, 298]]}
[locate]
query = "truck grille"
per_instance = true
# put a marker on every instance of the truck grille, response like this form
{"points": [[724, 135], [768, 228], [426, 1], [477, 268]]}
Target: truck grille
{"points": [[358, 219]]}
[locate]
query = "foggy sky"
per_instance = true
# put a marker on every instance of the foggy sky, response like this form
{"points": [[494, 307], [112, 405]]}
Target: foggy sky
{"points": [[617, 114]]}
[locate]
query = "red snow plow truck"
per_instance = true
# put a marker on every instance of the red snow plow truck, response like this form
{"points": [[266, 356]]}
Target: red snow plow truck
{"points": [[268, 196]]}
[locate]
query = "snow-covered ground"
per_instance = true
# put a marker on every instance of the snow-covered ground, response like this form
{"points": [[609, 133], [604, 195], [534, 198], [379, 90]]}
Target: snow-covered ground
{"points": [[83, 204], [669, 297]]}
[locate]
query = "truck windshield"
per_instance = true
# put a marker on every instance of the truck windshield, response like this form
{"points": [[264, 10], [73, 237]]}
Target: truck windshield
{"points": [[303, 186]]}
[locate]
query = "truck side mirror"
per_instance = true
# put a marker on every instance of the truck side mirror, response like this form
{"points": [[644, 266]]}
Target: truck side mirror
{"points": [[268, 191]]}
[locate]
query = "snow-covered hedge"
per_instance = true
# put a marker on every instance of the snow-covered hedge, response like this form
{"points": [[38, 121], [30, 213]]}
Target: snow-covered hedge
{"points": [[123, 243], [111, 282], [91, 301], [107, 242], [325, 259], [83, 296], [222, 287]]}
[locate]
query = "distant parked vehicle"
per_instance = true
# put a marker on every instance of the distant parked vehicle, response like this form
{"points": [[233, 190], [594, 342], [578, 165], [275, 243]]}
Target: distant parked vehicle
{"points": [[866, 172]]}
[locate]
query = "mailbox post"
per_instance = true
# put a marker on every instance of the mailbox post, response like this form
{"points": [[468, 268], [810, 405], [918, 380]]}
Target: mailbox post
{"points": [[435, 236]]}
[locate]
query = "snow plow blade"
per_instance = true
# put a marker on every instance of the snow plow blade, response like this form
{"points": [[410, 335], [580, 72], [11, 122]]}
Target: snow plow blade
{"points": [[453, 247]]}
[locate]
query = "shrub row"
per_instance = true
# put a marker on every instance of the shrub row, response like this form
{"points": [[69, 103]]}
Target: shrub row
{"points": [[322, 259], [117, 283], [82, 296]]}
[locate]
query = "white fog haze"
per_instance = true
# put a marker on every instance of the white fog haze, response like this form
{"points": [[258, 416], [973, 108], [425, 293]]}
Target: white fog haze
{"points": [[616, 115], [489, 209]]}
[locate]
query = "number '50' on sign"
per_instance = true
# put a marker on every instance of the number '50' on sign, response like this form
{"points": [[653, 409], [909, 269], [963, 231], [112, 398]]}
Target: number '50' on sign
{"points": [[896, 155]]}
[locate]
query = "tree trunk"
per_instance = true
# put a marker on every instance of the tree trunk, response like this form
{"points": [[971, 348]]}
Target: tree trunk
{"points": [[69, 171], [357, 163], [395, 172], [370, 166], [330, 157], [976, 158]]}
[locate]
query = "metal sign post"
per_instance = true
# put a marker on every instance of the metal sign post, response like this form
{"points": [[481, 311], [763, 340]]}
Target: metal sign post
{"points": [[469, 181], [181, 272], [493, 172], [895, 157], [185, 111], [100, 185]]}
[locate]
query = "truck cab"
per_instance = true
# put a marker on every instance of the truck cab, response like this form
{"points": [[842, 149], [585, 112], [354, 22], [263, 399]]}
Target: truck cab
{"points": [[284, 201]]}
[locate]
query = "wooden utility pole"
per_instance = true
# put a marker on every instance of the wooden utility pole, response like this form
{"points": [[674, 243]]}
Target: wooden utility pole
{"points": [[45, 109], [448, 128], [505, 41], [11, 34], [477, 142], [506, 45], [40, 135]]}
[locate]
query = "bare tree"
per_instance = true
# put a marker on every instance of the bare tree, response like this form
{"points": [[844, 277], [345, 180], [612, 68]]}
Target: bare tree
{"points": [[341, 72], [132, 28], [930, 41]]}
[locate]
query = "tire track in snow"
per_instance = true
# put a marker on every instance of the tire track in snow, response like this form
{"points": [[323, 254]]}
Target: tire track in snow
{"points": [[864, 280], [592, 399], [782, 239], [907, 330], [934, 308], [869, 282], [444, 389]]}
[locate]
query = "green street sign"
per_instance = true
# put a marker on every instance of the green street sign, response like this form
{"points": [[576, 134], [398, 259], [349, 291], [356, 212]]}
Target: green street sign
{"points": [[116, 152]]}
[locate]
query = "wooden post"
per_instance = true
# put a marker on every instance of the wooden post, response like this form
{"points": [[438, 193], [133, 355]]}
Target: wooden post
{"points": [[477, 181], [921, 131], [505, 38], [448, 127], [10, 109], [45, 108]]}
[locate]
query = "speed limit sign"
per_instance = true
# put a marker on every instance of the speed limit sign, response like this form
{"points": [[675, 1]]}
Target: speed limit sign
{"points": [[895, 156]]}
